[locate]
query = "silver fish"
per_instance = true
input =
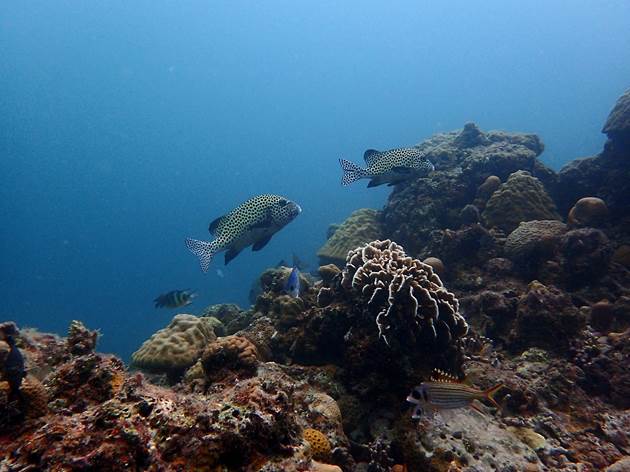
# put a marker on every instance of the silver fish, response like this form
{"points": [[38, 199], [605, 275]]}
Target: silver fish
{"points": [[445, 393], [253, 223], [387, 167]]}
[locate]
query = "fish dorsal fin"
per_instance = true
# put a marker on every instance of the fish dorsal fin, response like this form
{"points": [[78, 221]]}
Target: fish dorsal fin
{"points": [[214, 225], [370, 156], [441, 376]]}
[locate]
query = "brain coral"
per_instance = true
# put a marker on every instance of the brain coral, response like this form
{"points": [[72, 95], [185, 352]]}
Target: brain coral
{"points": [[173, 349], [411, 304], [534, 241], [521, 198], [227, 354], [359, 228]]}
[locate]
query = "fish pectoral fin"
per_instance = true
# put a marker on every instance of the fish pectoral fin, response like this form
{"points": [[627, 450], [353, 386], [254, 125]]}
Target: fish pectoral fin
{"points": [[375, 182], [265, 223], [261, 243], [231, 254]]}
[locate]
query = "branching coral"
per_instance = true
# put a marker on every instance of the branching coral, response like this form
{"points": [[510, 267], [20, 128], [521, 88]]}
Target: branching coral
{"points": [[411, 303]]}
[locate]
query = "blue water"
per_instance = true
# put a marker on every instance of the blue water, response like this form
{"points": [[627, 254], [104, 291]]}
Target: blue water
{"points": [[127, 126]]}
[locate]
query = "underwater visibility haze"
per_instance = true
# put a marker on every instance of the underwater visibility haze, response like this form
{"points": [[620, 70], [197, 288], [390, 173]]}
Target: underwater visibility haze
{"points": [[394, 191]]}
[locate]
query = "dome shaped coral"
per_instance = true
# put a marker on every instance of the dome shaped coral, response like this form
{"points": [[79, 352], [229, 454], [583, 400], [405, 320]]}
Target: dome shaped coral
{"points": [[318, 441]]}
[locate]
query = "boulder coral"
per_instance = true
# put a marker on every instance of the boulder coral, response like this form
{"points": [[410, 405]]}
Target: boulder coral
{"points": [[522, 198], [533, 242], [588, 211], [412, 308], [361, 227], [173, 349], [228, 355]]}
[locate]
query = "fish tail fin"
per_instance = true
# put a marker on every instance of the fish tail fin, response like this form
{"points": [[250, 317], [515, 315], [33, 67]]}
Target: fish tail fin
{"points": [[351, 172], [204, 250], [491, 392]]}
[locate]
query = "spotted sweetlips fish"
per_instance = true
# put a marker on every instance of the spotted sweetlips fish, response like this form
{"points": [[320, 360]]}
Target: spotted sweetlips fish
{"points": [[445, 392], [387, 167], [175, 299], [253, 222]]}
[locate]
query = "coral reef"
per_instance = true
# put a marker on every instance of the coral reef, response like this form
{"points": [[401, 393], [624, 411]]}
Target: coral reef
{"points": [[227, 355], [533, 242], [588, 211], [361, 227], [521, 198], [318, 383], [412, 307], [175, 348]]}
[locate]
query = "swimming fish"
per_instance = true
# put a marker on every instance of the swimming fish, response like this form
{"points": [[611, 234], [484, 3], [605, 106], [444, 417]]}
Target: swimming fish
{"points": [[445, 392], [175, 299], [292, 284], [253, 223], [14, 367], [387, 167]]}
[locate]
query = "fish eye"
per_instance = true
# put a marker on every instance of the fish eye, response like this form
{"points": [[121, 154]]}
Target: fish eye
{"points": [[415, 393], [283, 202]]}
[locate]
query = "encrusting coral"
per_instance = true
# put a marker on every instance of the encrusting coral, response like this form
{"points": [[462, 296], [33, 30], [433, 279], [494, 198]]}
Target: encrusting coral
{"points": [[173, 349], [521, 198], [412, 306], [360, 227]]}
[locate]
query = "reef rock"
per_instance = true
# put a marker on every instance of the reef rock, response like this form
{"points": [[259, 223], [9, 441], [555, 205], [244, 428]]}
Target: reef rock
{"points": [[605, 175], [546, 318], [521, 198], [469, 166], [361, 227], [617, 126], [586, 255], [175, 348]]}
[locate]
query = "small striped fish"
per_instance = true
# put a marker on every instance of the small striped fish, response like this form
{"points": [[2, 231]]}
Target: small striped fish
{"points": [[444, 392], [175, 299]]}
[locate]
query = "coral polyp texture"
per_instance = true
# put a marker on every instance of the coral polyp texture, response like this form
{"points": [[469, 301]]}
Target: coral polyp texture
{"points": [[412, 306], [361, 227], [175, 348]]}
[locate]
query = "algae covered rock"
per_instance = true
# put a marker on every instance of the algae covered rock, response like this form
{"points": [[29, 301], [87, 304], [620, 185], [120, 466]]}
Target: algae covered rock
{"points": [[617, 126], [178, 346], [361, 227], [521, 198]]}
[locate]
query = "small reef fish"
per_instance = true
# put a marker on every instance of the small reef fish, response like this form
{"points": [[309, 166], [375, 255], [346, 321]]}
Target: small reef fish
{"points": [[253, 223], [444, 392], [14, 367], [292, 284], [387, 167], [175, 299]]}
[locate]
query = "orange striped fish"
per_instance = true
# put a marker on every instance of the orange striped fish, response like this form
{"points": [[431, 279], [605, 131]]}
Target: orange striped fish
{"points": [[445, 392]]}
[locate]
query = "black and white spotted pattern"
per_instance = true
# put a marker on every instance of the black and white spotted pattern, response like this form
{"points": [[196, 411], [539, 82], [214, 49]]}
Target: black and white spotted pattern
{"points": [[390, 167], [253, 222]]}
